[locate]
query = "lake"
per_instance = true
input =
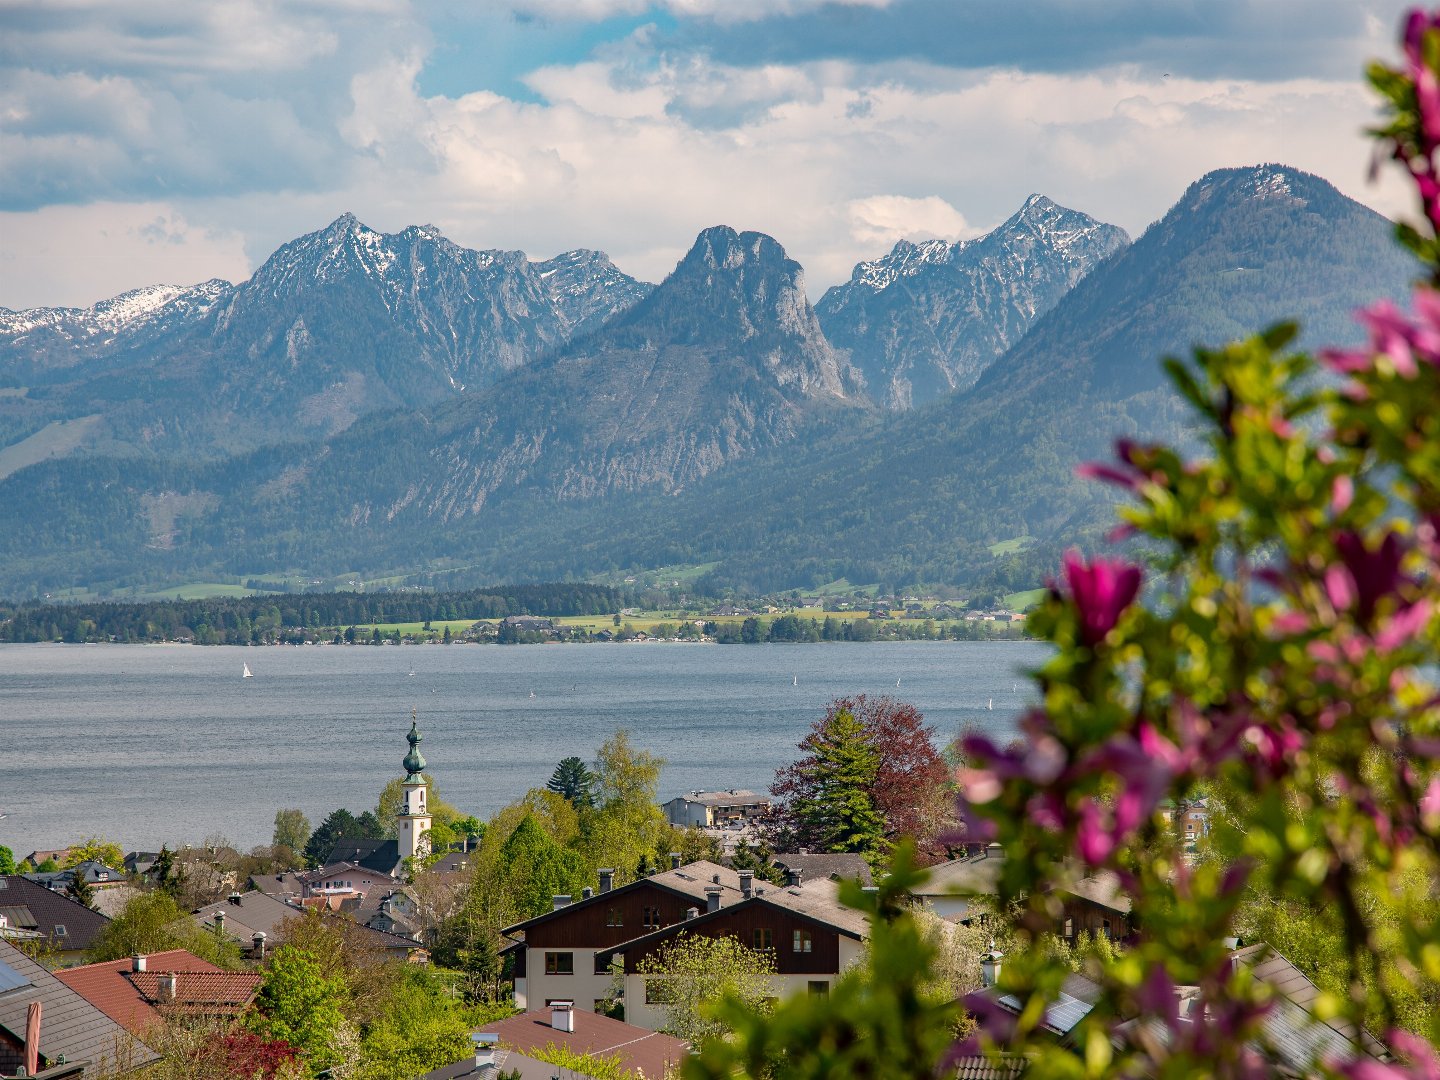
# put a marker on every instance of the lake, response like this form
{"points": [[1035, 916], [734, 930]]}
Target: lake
{"points": [[145, 744]]}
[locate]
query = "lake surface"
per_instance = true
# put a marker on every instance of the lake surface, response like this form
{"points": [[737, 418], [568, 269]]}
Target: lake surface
{"points": [[145, 744]]}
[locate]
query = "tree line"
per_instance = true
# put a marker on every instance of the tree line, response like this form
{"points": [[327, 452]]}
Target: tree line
{"points": [[261, 619]]}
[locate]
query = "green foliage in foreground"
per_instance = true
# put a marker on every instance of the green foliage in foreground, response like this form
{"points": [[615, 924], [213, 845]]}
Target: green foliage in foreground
{"points": [[879, 1021]]}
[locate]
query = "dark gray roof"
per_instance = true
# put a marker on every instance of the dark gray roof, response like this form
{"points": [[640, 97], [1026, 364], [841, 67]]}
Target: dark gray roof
{"points": [[506, 1061], [69, 1024], [51, 911], [254, 911], [379, 855], [844, 865]]}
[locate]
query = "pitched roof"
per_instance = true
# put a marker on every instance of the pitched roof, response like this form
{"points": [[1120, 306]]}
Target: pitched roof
{"points": [[999, 1067], [129, 997], [815, 900], [66, 923], [649, 1052], [723, 798], [382, 856], [1298, 1027], [248, 912], [1102, 889], [69, 1024], [842, 865], [969, 874], [690, 881]]}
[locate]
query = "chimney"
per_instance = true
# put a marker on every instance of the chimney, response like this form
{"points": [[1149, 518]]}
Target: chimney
{"points": [[607, 879], [137, 962], [747, 883], [234, 898], [586, 893], [484, 1049], [165, 992], [793, 876], [563, 900], [562, 1016], [220, 921], [674, 860], [257, 939], [712, 897], [990, 966], [692, 913]]}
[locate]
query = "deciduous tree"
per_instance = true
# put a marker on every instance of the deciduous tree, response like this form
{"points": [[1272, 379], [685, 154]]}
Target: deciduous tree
{"points": [[687, 975], [826, 800], [292, 830]]}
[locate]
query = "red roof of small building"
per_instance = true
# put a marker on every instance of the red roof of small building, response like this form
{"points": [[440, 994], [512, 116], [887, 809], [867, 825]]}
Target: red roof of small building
{"points": [[639, 1050], [129, 997]]}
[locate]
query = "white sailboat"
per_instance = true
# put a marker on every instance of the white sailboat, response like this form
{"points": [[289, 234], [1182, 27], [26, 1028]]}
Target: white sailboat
{"points": [[245, 672], [794, 680], [991, 705]]}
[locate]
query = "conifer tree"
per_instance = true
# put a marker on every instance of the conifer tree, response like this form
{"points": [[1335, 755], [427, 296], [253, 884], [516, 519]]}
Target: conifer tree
{"points": [[830, 806]]}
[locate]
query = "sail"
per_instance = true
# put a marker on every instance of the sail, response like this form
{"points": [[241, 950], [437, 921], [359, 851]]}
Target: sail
{"points": [[246, 673]]}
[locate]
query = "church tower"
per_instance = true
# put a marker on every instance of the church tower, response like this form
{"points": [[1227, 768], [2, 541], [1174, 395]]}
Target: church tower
{"points": [[413, 823]]}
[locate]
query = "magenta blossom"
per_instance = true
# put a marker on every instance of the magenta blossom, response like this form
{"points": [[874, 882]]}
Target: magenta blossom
{"points": [[1364, 576], [1102, 591]]}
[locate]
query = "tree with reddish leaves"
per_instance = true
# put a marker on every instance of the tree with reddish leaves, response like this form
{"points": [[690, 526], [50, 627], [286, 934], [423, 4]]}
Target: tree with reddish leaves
{"points": [[909, 787]]}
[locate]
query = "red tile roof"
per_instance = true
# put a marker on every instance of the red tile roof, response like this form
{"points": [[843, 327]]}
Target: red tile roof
{"points": [[129, 996], [648, 1052]]}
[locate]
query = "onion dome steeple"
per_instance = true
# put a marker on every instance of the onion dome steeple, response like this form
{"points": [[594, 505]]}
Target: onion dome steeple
{"points": [[414, 763]]}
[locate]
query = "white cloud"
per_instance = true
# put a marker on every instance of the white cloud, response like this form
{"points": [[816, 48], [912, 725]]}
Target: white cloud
{"points": [[881, 220], [76, 255], [626, 151]]}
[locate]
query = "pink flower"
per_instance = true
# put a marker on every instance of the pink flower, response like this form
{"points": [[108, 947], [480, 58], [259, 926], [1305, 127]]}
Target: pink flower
{"points": [[1102, 591], [1364, 576]]}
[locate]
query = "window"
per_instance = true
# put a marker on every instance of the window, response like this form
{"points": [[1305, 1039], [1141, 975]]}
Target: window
{"points": [[60, 930], [1107, 928], [602, 963], [652, 919], [819, 988], [615, 917], [559, 963], [656, 992], [802, 941], [764, 938], [1069, 928]]}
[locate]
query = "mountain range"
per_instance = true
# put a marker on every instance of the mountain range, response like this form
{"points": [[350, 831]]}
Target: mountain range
{"points": [[373, 403]]}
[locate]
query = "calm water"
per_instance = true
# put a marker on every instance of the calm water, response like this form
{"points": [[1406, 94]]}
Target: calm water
{"points": [[144, 744]]}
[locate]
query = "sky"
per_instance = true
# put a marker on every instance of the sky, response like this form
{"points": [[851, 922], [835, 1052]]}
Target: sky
{"points": [[149, 141]]}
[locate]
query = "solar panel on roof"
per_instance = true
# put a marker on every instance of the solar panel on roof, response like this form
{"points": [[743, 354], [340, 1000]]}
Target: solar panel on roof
{"points": [[1066, 1012], [10, 979]]}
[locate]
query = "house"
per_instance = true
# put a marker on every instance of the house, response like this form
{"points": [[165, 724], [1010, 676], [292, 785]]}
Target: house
{"points": [[252, 919], [72, 1030], [811, 937], [95, 874], [952, 886], [133, 991], [648, 1053], [67, 926], [709, 809], [1096, 904], [344, 879], [141, 863], [527, 622], [376, 856], [40, 855], [555, 953]]}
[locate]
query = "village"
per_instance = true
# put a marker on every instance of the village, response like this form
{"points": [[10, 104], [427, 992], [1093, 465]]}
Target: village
{"points": [[585, 984]]}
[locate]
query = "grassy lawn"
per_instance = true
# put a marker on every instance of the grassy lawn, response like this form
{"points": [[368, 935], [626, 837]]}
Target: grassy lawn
{"points": [[197, 590], [55, 439], [1014, 544], [1019, 601], [437, 628]]}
